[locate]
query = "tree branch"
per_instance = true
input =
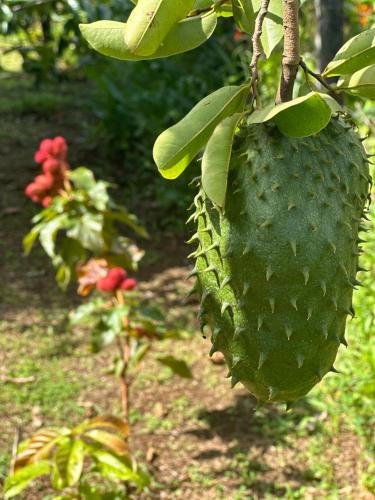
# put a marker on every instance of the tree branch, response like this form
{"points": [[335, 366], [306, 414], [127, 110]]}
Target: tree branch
{"points": [[318, 77], [257, 49], [291, 55]]}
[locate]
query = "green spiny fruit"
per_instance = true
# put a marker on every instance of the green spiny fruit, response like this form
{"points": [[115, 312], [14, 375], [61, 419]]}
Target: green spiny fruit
{"points": [[276, 269]]}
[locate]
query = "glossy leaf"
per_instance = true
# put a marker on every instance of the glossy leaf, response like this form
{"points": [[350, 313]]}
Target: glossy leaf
{"points": [[150, 22], [216, 159], [88, 231], [178, 366], [301, 117], [361, 83], [117, 468], [82, 178], [17, 482], [176, 148], [60, 462], [107, 37], [202, 4], [272, 32], [106, 422], [356, 54], [244, 15], [75, 462], [39, 446], [111, 441], [49, 232]]}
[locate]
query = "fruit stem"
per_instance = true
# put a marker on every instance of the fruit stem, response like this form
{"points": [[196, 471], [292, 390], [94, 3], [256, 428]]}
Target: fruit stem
{"points": [[291, 54], [257, 50]]}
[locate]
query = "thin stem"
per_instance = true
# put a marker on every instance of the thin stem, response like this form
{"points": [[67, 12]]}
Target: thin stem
{"points": [[124, 350], [257, 49], [291, 55], [16, 441], [317, 76]]}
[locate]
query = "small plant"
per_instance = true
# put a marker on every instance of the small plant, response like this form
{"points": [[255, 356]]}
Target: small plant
{"points": [[79, 219], [122, 316], [77, 230], [73, 457]]}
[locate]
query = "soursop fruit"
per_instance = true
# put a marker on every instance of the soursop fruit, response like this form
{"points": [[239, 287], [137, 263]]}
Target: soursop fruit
{"points": [[276, 269]]}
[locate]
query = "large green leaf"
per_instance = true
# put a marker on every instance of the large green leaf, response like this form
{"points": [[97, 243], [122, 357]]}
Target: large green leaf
{"points": [[115, 468], [107, 37], [178, 366], [273, 31], [244, 15], [49, 232], [82, 178], [17, 482], [361, 83], [175, 148], [75, 462], [88, 231], [109, 440], [150, 22], [356, 54], [216, 159], [31, 237], [307, 115]]}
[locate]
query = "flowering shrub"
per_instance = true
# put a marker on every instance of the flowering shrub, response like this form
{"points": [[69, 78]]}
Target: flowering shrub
{"points": [[77, 229], [80, 220]]}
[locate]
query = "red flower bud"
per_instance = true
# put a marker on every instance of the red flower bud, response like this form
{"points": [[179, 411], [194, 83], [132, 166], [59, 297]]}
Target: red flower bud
{"points": [[59, 147], [44, 182], [112, 281], [40, 156], [46, 201], [52, 166], [47, 146], [128, 284]]}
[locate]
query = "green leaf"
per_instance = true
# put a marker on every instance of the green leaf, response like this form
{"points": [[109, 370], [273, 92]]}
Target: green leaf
{"points": [[98, 195], [117, 468], [176, 147], [82, 178], [49, 232], [178, 366], [107, 37], [216, 159], [59, 476], [244, 15], [108, 440], [31, 237], [307, 115], [361, 83], [120, 214], [272, 32], [75, 462], [356, 54], [150, 22], [88, 232], [202, 4], [21, 479], [224, 9]]}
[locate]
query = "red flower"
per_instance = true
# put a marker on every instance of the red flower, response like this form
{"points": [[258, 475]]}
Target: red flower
{"points": [[128, 284]]}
